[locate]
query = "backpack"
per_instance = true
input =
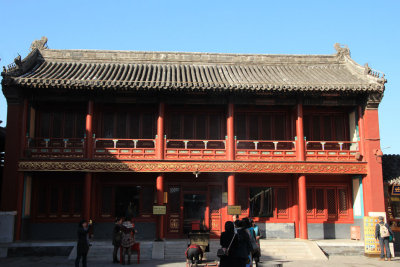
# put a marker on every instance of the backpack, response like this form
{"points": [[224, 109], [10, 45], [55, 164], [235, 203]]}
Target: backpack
{"points": [[384, 231]]}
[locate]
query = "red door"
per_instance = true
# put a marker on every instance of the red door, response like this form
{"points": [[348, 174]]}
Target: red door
{"points": [[215, 204], [174, 225]]}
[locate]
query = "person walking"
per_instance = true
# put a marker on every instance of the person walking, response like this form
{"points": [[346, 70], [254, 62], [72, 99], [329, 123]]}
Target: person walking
{"points": [[228, 241], [117, 237], [383, 233], [82, 247]]}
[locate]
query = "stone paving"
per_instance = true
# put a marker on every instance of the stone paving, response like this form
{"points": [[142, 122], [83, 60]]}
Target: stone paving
{"points": [[63, 261]]}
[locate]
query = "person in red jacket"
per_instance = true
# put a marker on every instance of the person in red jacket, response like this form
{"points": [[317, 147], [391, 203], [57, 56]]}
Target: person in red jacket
{"points": [[194, 254]]}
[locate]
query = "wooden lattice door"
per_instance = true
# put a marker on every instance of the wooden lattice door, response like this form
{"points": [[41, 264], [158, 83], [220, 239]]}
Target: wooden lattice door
{"points": [[215, 201]]}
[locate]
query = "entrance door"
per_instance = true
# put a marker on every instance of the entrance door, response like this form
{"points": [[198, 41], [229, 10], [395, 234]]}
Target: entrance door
{"points": [[194, 208]]}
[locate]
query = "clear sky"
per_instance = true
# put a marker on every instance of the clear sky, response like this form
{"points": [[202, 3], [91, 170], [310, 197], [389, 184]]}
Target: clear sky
{"points": [[371, 29]]}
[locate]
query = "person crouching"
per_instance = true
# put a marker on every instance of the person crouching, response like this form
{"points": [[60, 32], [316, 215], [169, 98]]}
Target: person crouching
{"points": [[194, 254]]}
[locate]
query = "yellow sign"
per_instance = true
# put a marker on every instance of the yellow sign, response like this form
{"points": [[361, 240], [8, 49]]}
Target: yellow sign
{"points": [[234, 210], [371, 245], [159, 210]]}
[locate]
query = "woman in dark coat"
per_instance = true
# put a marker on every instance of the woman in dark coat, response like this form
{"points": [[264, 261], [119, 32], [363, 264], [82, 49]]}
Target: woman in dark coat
{"points": [[241, 251], [82, 247], [225, 241]]}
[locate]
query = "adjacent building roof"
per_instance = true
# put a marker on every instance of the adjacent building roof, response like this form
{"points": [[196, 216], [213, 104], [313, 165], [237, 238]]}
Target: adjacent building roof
{"points": [[391, 169], [128, 70]]}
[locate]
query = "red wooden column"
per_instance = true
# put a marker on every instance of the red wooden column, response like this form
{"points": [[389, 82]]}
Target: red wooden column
{"points": [[160, 201], [87, 195], [373, 181], [230, 142], [89, 154], [160, 131], [296, 206], [231, 191], [20, 175], [89, 130], [302, 178]]}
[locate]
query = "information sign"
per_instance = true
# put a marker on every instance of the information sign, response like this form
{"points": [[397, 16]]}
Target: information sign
{"points": [[371, 245], [234, 210], [159, 210]]}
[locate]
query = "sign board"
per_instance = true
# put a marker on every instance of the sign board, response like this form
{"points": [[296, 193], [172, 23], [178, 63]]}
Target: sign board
{"points": [[224, 197], [234, 210], [159, 210], [371, 245], [396, 190]]}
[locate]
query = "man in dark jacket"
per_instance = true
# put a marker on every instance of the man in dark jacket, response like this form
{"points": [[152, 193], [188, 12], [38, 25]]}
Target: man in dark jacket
{"points": [[82, 247], [117, 238], [383, 232]]}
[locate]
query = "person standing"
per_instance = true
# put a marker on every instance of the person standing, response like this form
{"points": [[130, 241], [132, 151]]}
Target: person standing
{"points": [[383, 233], [242, 250], [256, 232], [82, 247], [117, 237], [127, 240], [227, 243]]}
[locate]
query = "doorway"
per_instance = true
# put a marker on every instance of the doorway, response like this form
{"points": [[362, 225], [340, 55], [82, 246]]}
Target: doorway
{"points": [[194, 208]]}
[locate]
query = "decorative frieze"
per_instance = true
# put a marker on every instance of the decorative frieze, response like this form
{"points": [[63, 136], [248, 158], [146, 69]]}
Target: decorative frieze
{"points": [[239, 167]]}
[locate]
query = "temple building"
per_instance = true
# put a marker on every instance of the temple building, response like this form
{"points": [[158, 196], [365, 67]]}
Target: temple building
{"points": [[289, 140]]}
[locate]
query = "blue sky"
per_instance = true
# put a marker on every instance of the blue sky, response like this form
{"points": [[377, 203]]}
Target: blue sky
{"points": [[371, 29]]}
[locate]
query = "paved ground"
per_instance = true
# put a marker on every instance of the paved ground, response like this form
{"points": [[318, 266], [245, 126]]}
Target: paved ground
{"points": [[63, 261]]}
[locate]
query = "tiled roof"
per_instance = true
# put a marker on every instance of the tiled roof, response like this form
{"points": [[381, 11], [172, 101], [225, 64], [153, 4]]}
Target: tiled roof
{"points": [[391, 169], [127, 70]]}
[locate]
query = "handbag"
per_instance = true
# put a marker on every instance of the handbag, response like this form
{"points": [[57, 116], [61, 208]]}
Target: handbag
{"points": [[221, 252]]}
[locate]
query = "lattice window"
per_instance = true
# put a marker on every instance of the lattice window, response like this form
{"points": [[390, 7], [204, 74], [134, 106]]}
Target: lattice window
{"points": [[174, 199], [242, 198], [215, 199], [310, 202], [320, 202], [282, 203], [331, 197], [343, 209]]}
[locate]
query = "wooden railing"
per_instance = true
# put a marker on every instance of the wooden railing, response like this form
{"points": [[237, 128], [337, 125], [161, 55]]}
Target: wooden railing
{"points": [[265, 150], [55, 147], [124, 148], [185, 149], [195, 149], [331, 150]]}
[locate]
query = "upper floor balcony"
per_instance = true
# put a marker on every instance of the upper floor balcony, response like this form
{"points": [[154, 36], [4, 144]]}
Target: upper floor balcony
{"points": [[189, 134], [189, 150]]}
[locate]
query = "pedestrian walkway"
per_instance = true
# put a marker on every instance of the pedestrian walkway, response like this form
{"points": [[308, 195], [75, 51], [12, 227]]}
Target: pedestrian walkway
{"points": [[336, 261]]}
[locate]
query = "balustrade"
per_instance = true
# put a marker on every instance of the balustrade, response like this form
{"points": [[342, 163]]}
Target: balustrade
{"points": [[186, 149], [195, 149], [55, 147], [124, 148], [331, 150], [265, 150]]}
